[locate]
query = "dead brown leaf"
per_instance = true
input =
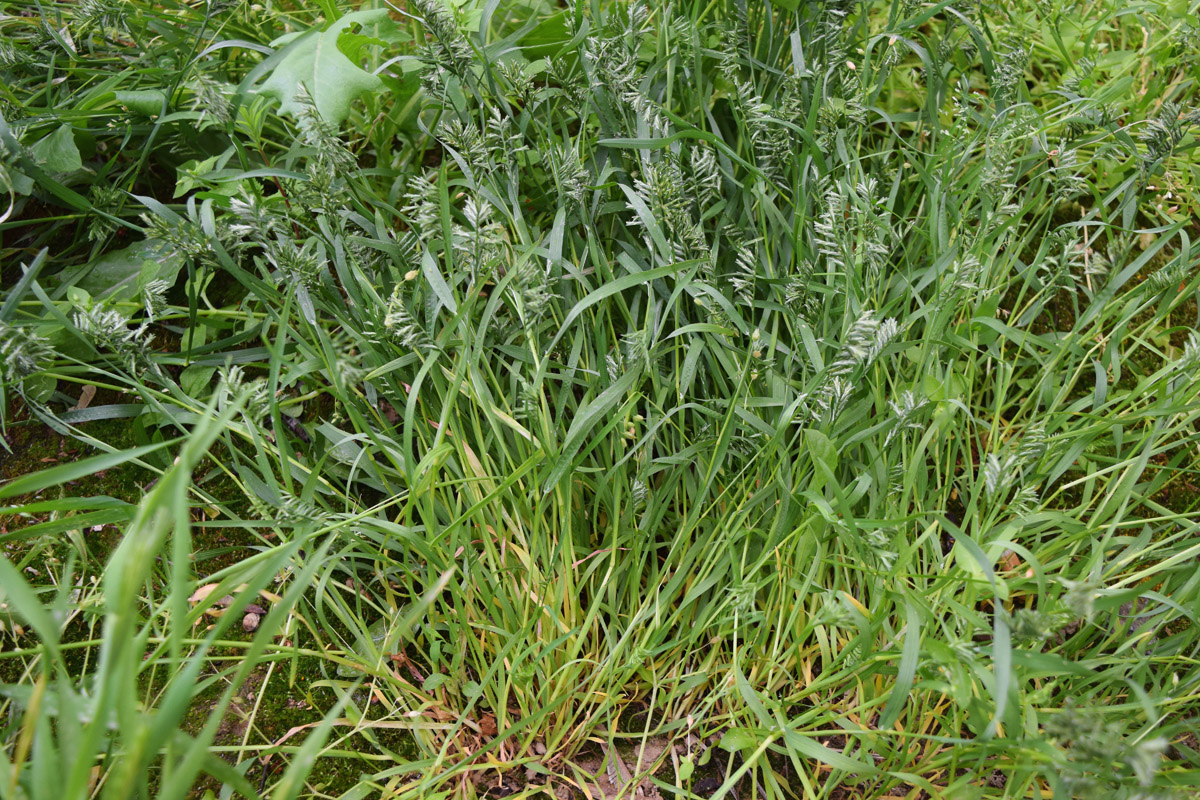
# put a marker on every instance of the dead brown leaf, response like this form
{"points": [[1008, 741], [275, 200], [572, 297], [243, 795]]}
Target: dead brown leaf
{"points": [[85, 397]]}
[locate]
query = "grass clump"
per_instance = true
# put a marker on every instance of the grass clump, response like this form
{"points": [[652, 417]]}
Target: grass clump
{"points": [[704, 400]]}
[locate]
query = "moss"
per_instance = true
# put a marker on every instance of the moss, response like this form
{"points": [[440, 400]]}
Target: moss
{"points": [[1180, 496], [12, 670], [269, 705], [272, 703], [35, 447]]}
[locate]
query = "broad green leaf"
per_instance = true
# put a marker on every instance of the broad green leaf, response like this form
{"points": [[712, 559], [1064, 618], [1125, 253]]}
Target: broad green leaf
{"points": [[190, 175], [434, 681], [824, 456], [353, 44], [148, 102], [315, 62], [548, 38], [196, 378], [20, 182], [39, 388], [121, 274], [820, 448], [57, 152], [738, 739]]}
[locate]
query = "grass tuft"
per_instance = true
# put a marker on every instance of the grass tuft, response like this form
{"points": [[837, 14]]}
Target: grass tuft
{"points": [[602, 399]]}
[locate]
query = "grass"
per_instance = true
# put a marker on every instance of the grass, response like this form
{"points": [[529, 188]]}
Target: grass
{"points": [[689, 400]]}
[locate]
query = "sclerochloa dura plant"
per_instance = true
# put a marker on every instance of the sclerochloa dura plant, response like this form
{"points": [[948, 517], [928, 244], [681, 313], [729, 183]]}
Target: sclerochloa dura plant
{"points": [[789, 399]]}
